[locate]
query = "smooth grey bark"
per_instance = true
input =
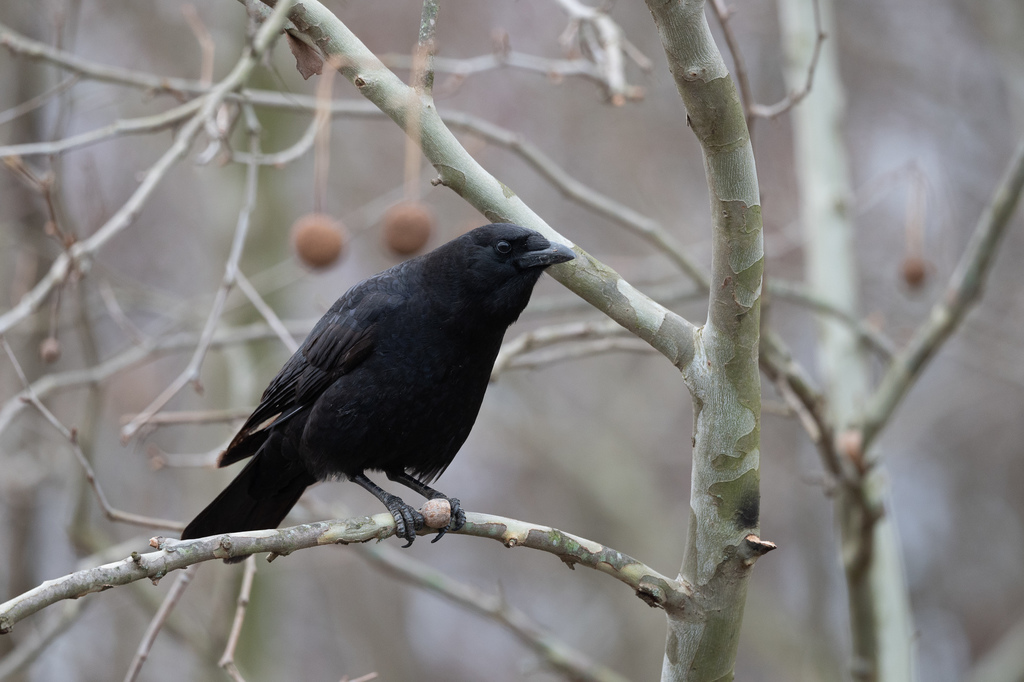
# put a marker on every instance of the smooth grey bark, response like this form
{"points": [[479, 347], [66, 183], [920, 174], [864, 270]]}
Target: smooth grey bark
{"points": [[722, 538]]}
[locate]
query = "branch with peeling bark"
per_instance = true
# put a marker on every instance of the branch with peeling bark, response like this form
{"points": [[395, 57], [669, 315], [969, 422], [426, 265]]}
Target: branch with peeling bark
{"points": [[606, 290], [652, 587], [667, 332]]}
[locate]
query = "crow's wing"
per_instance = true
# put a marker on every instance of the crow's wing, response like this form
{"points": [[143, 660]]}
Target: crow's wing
{"points": [[343, 338]]}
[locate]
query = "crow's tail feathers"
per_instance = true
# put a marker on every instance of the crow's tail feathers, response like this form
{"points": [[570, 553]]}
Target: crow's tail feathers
{"points": [[259, 497]]}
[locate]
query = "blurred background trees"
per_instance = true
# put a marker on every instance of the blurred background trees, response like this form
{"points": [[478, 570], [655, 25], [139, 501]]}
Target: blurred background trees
{"points": [[597, 444]]}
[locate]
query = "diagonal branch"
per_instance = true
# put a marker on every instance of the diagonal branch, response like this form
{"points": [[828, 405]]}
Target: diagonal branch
{"points": [[572, 663], [78, 255], [131, 126], [231, 271], [155, 625], [72, 437], [667, 332], [963, 291]]}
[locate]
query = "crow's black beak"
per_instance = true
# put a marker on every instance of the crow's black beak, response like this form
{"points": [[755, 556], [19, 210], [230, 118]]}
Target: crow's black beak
{"points": [[554, 253]]}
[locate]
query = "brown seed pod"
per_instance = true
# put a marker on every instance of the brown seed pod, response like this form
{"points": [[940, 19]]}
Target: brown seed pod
{"points": [[437, 513], [407, 227], [914, 270], [49, 349], [318, 239]]}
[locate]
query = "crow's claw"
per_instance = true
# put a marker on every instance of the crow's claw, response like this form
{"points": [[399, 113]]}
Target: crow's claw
{"points": [[407, 521], [458, 515]]}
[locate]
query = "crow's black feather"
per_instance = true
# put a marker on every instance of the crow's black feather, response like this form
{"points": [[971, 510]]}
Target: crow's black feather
{"points": [[390, 379]]}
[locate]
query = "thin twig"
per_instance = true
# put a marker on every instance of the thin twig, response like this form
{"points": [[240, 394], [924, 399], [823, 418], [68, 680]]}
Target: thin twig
{"points": [[195, 417], [568, 661], [546, 336], [291, 153], [81, 251], [246, 287], [796, 96], [90, 475], [227, 660], [799, 393], [131, 126], [322, 150], [964, 289], [168, 604], [206, 42], [554, 69], [39, 100], [607, 47], [426, 45], [724, 13], [580, 349], [191, 371], [799, 294], [752, 108], [15, 42], [147, 351]]}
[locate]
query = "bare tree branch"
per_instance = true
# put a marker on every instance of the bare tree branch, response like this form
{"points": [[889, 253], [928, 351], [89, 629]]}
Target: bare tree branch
{"points": [[191, 371], [670, 334], [606, 45], [155, 625], [146, 351], [653, 588], [227, 660], [564, 659], [78, 255], [963, 291], [546, 336], [39, 100], [796, 96], [800, 294], [112, 513]]}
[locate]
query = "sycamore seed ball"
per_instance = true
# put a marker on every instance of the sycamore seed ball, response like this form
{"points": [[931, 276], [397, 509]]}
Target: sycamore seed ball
{"points": [[914, 271], [407, 227], [318, 239], [49, 350]]}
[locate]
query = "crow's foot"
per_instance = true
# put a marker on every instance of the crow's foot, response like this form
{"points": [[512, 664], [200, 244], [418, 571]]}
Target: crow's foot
{"points": [[407, 520], [458, 519]]}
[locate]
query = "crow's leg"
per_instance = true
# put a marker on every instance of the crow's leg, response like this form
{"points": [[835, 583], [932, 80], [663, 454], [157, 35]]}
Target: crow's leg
{"points": [[458, 516], [407, 519]]}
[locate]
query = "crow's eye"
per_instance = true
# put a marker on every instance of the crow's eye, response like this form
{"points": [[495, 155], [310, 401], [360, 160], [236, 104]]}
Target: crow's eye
{"points": [[502, 247]]}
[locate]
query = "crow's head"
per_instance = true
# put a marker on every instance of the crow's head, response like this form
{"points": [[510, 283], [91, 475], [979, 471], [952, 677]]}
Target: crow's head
{"points": [[497, 265]]}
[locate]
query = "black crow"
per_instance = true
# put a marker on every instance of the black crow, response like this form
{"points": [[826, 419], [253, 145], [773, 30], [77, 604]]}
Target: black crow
{"points": [[391, 379]]}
